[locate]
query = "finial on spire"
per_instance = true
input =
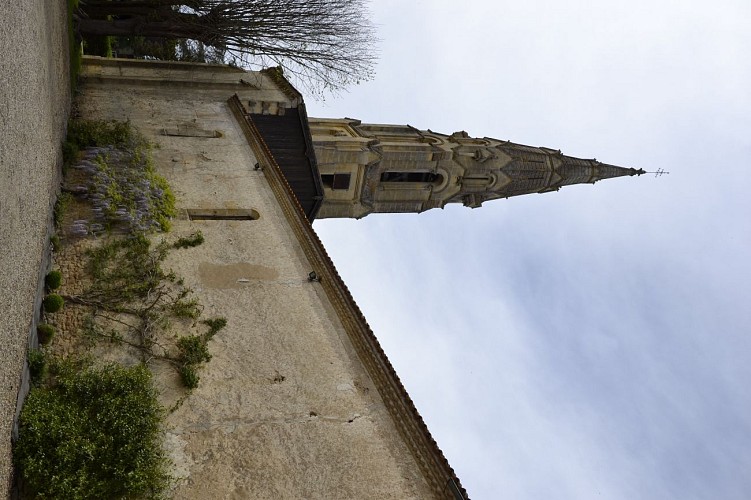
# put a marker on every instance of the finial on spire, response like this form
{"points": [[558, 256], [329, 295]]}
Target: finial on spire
{"points": [[659, 172]]}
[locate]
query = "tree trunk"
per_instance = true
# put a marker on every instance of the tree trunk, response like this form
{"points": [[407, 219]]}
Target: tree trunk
{"points": [[85, 5], [104, 10]]}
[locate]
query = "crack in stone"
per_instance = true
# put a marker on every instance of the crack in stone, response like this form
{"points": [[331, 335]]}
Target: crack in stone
{"points": [[231, 425]]}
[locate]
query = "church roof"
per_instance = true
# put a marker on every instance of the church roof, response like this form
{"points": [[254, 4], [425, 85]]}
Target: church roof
{"points": [[288, 139]]}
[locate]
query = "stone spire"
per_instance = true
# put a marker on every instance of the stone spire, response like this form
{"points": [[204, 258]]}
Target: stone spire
{"points": [[368, 168]]}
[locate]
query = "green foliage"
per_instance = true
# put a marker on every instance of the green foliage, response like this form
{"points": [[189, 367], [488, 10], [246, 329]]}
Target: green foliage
{"points": [[214, 324], [91, 133], [128, 280], [55, 241], [61, 205], [53, 280], [45, 333], [52, 303], [98, 45], [189, 376], [193, 240], [194, 350], [163, 205], [128, 269], [91, 434], [70, 155], [186, 308], [195, 51], [126, 191], [37, 364]]}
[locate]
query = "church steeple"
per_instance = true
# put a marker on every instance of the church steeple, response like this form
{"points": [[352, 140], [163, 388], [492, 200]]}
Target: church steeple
{"points": [[368, 168]]}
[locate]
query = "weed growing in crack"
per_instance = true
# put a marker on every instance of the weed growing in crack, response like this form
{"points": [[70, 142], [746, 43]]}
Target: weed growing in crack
{"points": [[194, 350], [193, 240]]}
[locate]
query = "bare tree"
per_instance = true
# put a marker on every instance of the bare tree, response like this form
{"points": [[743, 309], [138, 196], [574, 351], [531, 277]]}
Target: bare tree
{"points": [[325, 44]]}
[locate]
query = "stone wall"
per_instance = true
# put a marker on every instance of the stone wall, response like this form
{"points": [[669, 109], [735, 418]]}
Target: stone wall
{"points": [[285, 408], [34, 104]]}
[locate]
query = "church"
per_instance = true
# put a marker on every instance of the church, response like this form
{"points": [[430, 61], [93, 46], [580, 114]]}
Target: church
{"points": [[299, 400]]}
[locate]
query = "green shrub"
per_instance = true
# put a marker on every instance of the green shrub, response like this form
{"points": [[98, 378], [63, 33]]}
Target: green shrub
{"points": [[92, 434], [214, 324], [163, 205], [70, 154], [37, 364], [186, 308], [53, 280], [189, 376], [89, 133], [52, 303], [193, 349], [98, 45], [60, 206], [45, 333], [70, 151]]}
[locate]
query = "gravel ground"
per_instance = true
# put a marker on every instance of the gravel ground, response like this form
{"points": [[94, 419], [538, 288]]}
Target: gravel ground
{"points": [[34, 103]]}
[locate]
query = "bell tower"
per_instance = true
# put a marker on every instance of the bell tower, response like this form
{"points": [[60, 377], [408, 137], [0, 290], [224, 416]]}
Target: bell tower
{"points": [[367, 168]]}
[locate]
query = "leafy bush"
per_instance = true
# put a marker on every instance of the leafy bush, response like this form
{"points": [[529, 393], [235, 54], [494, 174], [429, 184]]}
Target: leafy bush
{"points": [[92, 133], [98, 45], [189, 376], [186, 308], [70, 155], [193, 240], [52, 303], [45, 333], [53, 280], [93, 433], [37, 364], [194, 349]]}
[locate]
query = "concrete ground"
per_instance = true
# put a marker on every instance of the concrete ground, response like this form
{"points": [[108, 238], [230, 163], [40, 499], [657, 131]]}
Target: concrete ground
{"points": [[34, 106]]}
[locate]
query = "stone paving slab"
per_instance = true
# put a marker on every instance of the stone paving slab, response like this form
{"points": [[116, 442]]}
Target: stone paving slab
{"points": [[34, 104]]}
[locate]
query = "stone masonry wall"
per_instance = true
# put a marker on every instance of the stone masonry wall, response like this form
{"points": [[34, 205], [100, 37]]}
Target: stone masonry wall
{"points": [[34, 104], [284, 408]]}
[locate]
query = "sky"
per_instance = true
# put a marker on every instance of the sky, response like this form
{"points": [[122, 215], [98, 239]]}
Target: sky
{"points": [[591, 343]]}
